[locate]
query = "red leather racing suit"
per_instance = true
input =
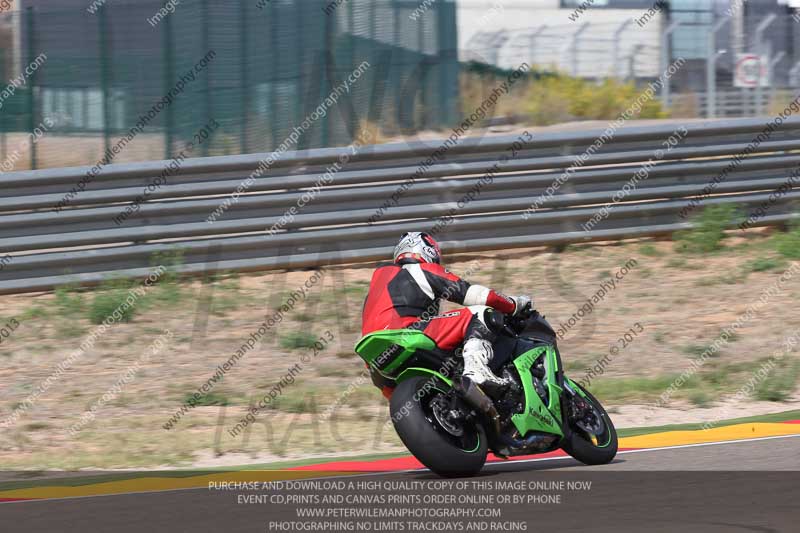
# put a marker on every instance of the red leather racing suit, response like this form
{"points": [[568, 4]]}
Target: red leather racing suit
{"points": [[408, 294]]}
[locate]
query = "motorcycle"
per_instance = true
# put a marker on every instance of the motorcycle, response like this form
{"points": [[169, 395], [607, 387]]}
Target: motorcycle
{"points": [[450, 424]]}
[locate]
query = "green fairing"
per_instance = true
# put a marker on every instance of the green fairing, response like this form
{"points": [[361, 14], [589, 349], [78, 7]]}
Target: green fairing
{"points": [[371, 346], [576, 388], [424, 372], [537, 416]]}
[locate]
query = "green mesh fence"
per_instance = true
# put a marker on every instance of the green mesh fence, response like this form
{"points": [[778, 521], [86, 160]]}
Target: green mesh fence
{"points": [[256, 69]]}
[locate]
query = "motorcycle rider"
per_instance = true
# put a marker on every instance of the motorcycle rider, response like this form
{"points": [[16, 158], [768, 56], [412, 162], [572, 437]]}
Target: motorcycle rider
{"points": [[406, 294]]}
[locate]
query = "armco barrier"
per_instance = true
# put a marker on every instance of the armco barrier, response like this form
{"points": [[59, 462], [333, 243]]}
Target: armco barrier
{"points": [[83, 244]]}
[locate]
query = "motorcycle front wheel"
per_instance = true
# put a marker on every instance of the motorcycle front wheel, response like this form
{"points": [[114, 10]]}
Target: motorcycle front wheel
{"points": [[591, 437]]}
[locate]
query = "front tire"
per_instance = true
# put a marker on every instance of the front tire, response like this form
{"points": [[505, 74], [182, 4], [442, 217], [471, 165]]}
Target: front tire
{"points": [[590, 448], [434, 445]]}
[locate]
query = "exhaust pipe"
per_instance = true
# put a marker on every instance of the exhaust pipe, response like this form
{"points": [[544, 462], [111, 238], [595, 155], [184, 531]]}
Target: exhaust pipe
{"points": [[476, 398], [527, 442]]}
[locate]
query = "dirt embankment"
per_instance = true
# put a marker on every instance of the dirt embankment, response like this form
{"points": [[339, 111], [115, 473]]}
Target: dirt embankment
{"points": [[663, 313]]}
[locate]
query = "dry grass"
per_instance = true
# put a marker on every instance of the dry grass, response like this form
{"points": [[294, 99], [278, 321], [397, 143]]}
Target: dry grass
{"points": [[679, 316]]}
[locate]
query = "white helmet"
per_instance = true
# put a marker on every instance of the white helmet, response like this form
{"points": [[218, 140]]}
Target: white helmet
{"points": [[419, 246]]}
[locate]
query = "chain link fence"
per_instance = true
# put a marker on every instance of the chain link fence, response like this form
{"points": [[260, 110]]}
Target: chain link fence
{"points": [[638, 41], [258, 69]]}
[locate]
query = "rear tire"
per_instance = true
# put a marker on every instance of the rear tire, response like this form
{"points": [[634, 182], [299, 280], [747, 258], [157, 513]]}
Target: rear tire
{"points": [[578, 446], [427, 439]]}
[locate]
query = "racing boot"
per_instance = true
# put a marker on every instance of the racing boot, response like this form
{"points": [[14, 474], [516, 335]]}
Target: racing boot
{"points": [[477, 353]]}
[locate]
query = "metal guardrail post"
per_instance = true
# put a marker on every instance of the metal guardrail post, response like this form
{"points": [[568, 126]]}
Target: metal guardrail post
{"points": [[302, 86], [274, 63], [206, 75], [448, 67], [772, 62], [665, 61], [328, 59], [105, 67], [764, 50], [244, 75], [615, 47], [169, 74], [533, 38], [31, 27], [711, 67], [350, 117], [632, 61], [574, 47], [3, 139]]}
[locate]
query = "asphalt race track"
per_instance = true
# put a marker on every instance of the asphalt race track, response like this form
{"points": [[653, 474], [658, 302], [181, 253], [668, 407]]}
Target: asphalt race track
{"points": [[748, 485]]}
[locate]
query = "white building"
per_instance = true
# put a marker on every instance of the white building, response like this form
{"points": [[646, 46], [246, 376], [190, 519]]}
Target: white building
{"points": [[599, 41]]}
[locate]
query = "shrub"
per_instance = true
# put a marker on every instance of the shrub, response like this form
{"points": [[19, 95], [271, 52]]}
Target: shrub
{"points": [[760, 264], [678, 262], [168, 291], [226, 295], [301, 401], [298, 339], [648, 249], [477, 81], [108, 299], [719, 376], [695, 351], [779, 384], [559, 97], [370, 133], [36, 311], [699, 398], [547, 104], [212, 398], [788, 244], [68, 301], [708, 231]]}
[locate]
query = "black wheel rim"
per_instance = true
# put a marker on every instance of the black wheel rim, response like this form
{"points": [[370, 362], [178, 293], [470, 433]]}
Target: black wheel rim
{"points": [[464, 436], [590, 422]]}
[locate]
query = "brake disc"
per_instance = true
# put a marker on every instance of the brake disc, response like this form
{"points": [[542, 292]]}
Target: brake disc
{"points": [[587, 418], [445, 417]]}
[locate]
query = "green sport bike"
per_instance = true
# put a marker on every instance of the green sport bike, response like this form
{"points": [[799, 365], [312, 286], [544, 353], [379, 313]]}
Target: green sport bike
{"points": [[450, 424]]}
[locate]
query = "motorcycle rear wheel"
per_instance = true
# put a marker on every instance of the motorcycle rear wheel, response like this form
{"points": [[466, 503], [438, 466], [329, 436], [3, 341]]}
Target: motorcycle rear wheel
{"points": [[434, 441]]}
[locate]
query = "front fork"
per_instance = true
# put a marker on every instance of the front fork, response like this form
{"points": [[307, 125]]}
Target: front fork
{"points": [[573, 391], [567, 389]]}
